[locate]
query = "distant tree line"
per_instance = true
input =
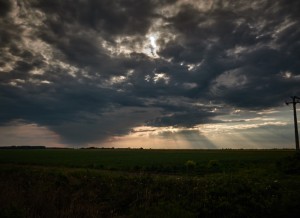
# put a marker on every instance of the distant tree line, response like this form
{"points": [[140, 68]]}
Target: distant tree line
{"points": [[23, 147]]}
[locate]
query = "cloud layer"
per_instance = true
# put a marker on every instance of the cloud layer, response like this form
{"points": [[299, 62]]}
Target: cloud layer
{"points": [[91, 70]]}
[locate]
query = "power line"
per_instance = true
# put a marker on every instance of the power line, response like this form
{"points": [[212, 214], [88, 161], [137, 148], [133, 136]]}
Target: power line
{"points": [[294, 101]]}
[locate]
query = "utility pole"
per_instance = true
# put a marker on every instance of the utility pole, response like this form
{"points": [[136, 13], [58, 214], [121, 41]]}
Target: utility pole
{"points": [[294, 101]]}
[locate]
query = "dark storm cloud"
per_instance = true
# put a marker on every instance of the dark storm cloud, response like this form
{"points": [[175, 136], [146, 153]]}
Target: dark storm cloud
{"points": [[93, 127], [108, 17], [62, 64], [268, 39]]}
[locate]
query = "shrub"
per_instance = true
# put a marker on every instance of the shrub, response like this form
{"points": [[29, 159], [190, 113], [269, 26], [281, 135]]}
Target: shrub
{"points": [[214, 166], [190, 165]]}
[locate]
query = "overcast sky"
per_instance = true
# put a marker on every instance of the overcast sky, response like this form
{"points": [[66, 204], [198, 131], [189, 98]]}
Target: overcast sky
{"points": [[149, 73]]}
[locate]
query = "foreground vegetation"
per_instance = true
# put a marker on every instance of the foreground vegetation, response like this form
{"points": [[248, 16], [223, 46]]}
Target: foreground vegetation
{"points": [[149, 183]]}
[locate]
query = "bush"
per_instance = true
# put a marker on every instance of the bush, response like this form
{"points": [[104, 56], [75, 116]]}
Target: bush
{"points": [[214, 166], [190, 165]]}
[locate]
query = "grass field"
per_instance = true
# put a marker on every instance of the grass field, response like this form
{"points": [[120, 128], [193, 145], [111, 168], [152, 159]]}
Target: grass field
{"points": [[149, 183], [128, 159]]}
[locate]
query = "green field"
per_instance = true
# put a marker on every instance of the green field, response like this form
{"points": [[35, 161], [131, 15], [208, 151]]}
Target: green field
{"points": [[128, 159], [149, 183]]}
